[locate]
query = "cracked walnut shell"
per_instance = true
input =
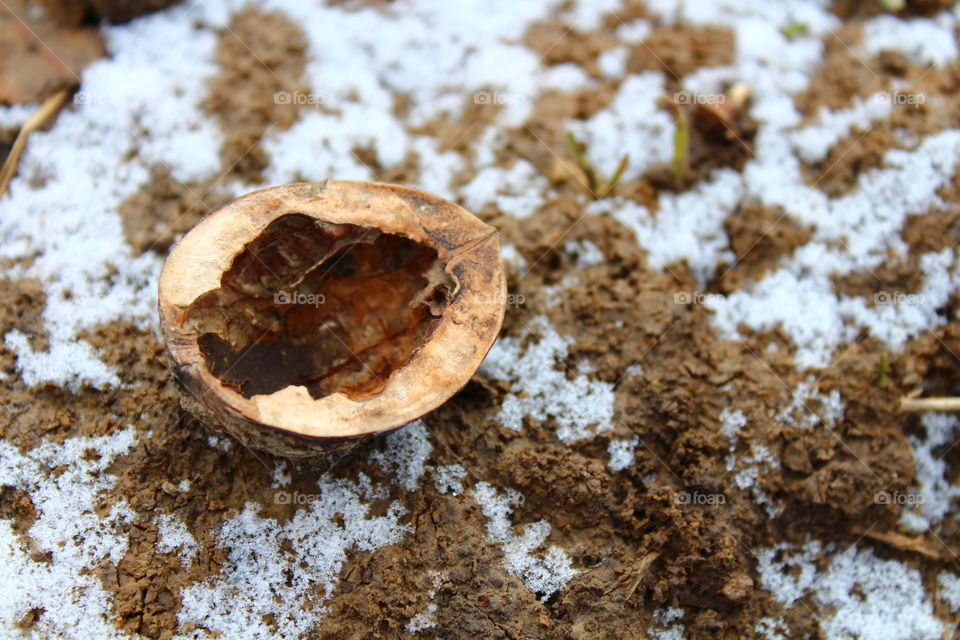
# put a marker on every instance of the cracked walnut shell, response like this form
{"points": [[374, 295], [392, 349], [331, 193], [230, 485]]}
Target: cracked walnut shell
{"points": [[307, 315]]}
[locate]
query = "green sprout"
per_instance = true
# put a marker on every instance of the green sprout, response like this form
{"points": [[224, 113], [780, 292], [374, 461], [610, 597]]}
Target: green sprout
{"points": [[795, 29], [883, 369], [681, 142], [893, 5], [598, 185]]}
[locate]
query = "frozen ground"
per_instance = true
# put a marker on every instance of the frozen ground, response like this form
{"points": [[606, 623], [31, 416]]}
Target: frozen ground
{"points": [[60, 225]]}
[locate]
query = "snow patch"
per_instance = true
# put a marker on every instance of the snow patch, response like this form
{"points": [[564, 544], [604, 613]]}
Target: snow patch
{"points": [[922, 40], [286, 571], [581, 407], [622, 453], [859, 595], [405, 456], [449, 478], [936, 491], [516, 191], [65, 485], [174, 536], [545, 573]]}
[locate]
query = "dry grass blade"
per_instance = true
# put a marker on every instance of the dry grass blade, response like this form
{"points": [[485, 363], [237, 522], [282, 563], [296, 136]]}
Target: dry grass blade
{"points": [[906, 543], [642, 568], [612, 184], [580, 155], [49, 107]]}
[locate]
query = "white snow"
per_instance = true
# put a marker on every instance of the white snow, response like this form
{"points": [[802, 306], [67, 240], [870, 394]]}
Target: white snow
{"points": [[66, 364], [13, 116], [859, 595], [813, 142], [449, 478], [586, 252], [287, 570], [427, 619], [853, 232], [810, 408], [587, 15], [667, 626], [62, 205], [174, 536], [281, 475], [581, 407], [622, 453], [633, 124], [613, 62], [516, 191], [544, 573], [140, 109], [405, 456], [770, 628], [634, 32], [760, 460], [949, 584], [686, 226], [512, 256], [65, 486], [936, 494], [224, 443], [923, 41], [730, 423]]}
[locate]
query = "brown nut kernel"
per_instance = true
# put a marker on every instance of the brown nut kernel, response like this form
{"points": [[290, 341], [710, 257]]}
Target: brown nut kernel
{"points": [[307, 315]]}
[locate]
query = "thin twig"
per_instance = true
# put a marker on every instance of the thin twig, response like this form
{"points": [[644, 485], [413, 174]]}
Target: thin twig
{"points": [[916, 405], [49, 107]]}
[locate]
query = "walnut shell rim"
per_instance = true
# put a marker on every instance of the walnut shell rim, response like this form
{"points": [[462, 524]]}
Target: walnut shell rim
{"points": [[290, 421]]}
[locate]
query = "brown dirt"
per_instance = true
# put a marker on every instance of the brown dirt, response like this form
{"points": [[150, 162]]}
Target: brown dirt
{"points": [[262, 56], [837, 174], [848, 9], [682, 49], [165, 208], [38, 55], [924, 107], [640, 547], [842, 75], [760, 238], [556, 43], [74, 12], [22, 310]]}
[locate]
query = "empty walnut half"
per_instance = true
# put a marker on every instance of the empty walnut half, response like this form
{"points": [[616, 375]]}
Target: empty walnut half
{"points": [[307, 315]]}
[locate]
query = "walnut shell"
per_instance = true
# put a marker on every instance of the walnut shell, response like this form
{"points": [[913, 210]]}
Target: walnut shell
{"points": [[308, 315]]}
